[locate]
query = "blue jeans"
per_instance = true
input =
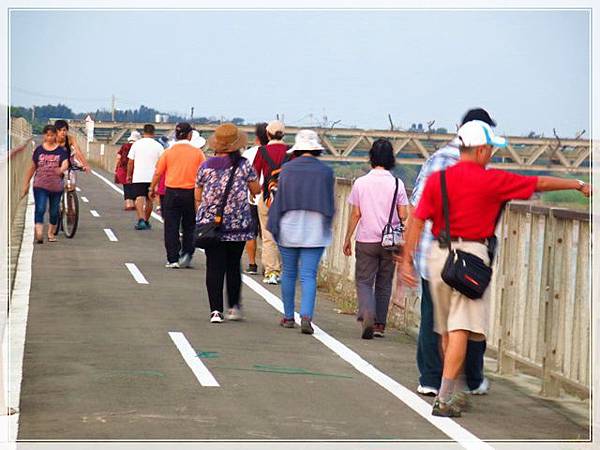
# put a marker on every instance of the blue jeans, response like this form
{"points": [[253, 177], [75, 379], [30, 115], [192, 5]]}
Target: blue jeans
{"points": [[429, 361], [42, 197], [309, 262]]}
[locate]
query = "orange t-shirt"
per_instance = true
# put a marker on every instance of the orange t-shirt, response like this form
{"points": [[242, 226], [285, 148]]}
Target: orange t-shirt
{"points": [[181, 163]]}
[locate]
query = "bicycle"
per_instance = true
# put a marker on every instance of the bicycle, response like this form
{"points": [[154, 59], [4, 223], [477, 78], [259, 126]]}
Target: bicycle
{"points": [[68, 213]]}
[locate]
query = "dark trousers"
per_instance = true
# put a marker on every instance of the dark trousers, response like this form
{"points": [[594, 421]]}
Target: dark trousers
{"points": [[374, 274], [429, 361], [178, 211], [223, 261]]}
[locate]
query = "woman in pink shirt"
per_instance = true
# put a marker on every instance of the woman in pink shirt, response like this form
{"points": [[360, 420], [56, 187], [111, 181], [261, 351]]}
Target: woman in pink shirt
{"points": [[371, 198]]}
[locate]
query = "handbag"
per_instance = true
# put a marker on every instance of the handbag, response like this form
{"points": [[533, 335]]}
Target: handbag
{"points": [[392, 237], [208, 235], [463, 271]]}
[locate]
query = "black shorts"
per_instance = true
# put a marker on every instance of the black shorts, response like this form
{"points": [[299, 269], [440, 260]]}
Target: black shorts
{"points": [[255, 220], [140, 189], [128, 192]]}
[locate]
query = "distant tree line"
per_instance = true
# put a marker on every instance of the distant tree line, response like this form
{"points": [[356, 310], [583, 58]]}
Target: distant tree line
{"points": [[39, 115]]}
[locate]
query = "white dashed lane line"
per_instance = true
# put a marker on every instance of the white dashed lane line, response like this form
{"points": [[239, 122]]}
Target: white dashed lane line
{"points": [[136, 274], [94, 213], [190, 356], [84, 199], [77, 189], [111, 236]]}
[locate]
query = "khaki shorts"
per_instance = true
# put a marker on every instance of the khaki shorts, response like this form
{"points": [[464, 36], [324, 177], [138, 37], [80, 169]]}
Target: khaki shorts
{"points": [[452, 310]]}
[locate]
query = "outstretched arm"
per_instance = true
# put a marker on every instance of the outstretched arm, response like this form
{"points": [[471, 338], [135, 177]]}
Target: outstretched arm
{"points": [[79, 154], [27, 179], [562, 184]]}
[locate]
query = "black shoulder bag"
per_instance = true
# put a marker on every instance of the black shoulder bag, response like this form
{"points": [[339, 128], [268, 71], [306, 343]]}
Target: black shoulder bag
{"points": [[463, 271], [209, 234], [392, 237]]}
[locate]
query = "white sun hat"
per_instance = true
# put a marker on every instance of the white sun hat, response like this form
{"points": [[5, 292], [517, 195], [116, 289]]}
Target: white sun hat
{"points": [[134, 136], [306, 140], [197, 140], [476, 133]]}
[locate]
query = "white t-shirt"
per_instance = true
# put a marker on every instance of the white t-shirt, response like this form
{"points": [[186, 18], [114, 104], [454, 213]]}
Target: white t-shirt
{"points": [[145, 152], [250, 154]]}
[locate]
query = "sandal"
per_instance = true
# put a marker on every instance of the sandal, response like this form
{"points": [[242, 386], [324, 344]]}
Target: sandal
{"points": [[52, 239]]}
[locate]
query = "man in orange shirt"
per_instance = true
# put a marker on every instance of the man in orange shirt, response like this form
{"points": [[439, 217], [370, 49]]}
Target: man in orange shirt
{"points": [[180, 163]]}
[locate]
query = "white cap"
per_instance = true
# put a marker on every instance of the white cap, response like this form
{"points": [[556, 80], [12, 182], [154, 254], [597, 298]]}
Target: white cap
{"points": [[306, 140], [274, 126], [197, 140], [476, 132], [134, 136]]}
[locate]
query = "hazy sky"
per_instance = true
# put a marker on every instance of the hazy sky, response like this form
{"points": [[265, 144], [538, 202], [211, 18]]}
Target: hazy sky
{"points": [[530, 69]]}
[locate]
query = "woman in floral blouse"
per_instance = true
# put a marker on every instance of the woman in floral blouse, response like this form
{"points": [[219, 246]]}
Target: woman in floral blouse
{"points": [[223, 260]]}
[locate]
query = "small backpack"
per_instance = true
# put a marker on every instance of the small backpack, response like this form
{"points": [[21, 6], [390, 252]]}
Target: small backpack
{"points": [[272, 178]]}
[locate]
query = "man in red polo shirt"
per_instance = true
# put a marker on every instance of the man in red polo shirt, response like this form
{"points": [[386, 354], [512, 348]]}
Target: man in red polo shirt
{"points": [[475, 197], [269, 158]]}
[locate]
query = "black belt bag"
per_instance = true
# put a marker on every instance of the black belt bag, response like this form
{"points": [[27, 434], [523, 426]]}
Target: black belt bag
{"points": [[463, 271]]}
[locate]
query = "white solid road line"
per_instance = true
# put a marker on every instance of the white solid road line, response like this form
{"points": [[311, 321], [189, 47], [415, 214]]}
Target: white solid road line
{"points": [[94, 213], [136, 273], [111, 236], [85, 200], [14, 334], [462, 436], [448, 426], [191, 358]]}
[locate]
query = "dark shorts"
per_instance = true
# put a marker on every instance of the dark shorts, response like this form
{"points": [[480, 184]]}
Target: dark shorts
{"points": [[255, 220], [128, 192], [139, 189]]}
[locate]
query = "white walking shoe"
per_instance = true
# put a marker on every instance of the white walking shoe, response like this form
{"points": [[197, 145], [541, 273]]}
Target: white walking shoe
{"points": [[216, 317], [426, 390], [483, 388]]}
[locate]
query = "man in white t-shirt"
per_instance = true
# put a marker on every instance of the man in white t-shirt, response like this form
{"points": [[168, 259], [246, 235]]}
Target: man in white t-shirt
{"points": [[143, 156], [250, 154]]}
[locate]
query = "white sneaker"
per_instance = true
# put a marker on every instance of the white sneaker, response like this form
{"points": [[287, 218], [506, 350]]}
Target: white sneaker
{"points": [[426, 390], [234, 313], [271, 279], [216, 317], [483, 388], [173, 265]]}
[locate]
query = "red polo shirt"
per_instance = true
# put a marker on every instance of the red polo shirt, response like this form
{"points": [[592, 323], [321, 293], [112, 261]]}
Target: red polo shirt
{"points": [[475, 196]]}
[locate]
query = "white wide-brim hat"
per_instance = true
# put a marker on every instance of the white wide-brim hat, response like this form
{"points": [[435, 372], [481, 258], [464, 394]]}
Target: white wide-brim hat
{"points": [[134, 136], [197, 140], [306, 140]]}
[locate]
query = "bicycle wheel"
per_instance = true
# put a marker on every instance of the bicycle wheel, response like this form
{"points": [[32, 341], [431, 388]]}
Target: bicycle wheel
{"points": [[70, 213]]}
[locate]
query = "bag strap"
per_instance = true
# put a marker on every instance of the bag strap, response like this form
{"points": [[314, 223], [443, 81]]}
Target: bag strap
{"points": [[446, 210], [267, 158], [393, 203], [219, 214]]}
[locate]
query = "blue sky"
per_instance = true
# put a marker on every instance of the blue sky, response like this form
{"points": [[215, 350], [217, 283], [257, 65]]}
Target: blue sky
{"points": [[530, 69]]}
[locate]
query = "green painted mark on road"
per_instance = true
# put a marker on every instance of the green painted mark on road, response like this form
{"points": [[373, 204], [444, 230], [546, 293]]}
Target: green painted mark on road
{"points": [[143, 373], [207, 355], [284, 370]]}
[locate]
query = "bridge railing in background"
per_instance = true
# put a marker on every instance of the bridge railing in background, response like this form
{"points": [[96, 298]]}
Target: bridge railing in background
{"points": [[17, 160], [540, 307]]}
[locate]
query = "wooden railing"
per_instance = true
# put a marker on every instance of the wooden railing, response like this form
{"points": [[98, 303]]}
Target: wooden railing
{"points": [[540, 307], [16, 161]]}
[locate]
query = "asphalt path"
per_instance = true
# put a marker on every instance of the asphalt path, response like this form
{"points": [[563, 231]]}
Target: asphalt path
{"points": [[99, 361]]}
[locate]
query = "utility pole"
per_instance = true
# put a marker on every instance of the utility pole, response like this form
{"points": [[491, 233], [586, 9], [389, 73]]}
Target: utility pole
{"points": [[192, 115], [113, 108], [33, 114]]}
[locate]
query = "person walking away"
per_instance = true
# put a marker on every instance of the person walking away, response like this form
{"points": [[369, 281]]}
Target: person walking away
{"points": [[223, 261], [371, 198], [179, 165], [143, 156], [121, 171], [251, 247], [48, 164], [75, 154], [429, 360], [475, 197], [269, 159], [300, 221]]}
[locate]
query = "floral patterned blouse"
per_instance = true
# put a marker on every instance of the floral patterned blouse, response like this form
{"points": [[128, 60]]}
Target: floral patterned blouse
{"points": [[212, 178]]}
